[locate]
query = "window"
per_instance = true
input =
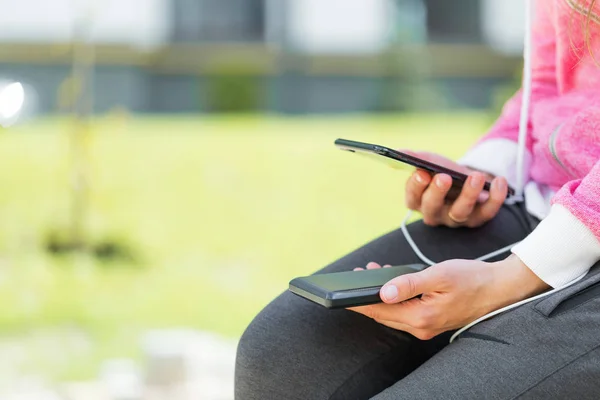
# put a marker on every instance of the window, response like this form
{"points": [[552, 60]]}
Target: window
{"points": [[219, 20], [454, 20]]}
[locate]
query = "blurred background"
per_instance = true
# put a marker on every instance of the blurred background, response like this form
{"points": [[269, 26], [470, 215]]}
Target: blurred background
{"points": [[167, 166]]}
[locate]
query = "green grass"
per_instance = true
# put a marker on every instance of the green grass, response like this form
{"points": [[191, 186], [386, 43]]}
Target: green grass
{"points": [[227, 208]]}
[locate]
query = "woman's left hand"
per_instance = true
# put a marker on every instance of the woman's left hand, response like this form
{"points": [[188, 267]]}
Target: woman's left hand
{"points": [[453, 294]]}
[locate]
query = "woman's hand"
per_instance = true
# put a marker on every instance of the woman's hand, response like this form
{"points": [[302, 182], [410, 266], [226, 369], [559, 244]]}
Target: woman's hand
{"points": [[453, 294], [472, 208]]}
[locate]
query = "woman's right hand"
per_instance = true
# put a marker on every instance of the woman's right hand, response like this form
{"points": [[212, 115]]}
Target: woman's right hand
{"points": [[472, 208]]}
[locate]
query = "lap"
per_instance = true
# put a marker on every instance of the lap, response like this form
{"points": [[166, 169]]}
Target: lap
{"points": [[546, 349], [295, 349], [549, 348]]}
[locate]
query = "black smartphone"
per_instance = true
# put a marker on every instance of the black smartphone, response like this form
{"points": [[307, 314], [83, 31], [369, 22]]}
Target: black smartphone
{"points": [[397, 159], [348, 289]]}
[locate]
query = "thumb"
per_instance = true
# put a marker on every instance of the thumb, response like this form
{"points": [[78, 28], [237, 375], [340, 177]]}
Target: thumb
{"points": [[406, 287]]}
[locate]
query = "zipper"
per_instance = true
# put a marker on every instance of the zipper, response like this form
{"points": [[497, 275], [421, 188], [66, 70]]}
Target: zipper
{"points": [[552, 145]]}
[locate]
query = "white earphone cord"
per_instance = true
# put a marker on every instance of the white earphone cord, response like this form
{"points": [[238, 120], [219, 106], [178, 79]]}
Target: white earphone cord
{"points": [[488, 256], [525, 99], [523, 130]]}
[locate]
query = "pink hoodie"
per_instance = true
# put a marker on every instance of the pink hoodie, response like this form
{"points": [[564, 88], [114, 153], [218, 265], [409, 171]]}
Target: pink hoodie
{"points": [[563, 143]]}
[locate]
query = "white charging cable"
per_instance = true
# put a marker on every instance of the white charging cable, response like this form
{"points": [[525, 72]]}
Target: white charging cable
{"points": [[515, 305], [526, 98], [428, 261], [522, 141], [488, 256]]}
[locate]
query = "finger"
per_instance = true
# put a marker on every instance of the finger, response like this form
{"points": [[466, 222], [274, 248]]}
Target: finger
{"points": [[432, 203], [415, 187], [463, 206], [373, 265], [483, 197], [358, 269], [387, 266], [490, 208], [409, 286], [403, 313], [423, 334], [399, 326]]}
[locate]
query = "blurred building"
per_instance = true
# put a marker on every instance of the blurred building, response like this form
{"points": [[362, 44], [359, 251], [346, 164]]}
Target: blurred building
{"points": [[292, 56]]}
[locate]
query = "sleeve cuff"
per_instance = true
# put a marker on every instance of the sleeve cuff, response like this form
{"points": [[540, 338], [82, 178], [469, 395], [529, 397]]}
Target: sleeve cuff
{"points": [[497, 157], [560, 249]]}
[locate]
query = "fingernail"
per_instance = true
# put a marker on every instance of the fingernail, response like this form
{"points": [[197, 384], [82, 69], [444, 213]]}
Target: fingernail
{"points": [[500, 184], [390, 292], [439, 183], [419, 178], [483, 197], [475, 181]]}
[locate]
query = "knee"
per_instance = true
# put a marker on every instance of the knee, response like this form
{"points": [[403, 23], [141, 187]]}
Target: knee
{"points": [[260, 358], [252, 353]]}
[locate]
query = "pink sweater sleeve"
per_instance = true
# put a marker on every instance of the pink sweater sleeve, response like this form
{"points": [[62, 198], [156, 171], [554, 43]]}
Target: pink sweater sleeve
{"points": [[582, 199], [566, 244]]}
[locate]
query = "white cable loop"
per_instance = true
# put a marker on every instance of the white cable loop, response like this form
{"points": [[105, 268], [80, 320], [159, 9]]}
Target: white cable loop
{"points": [[430, 262], [427, 260], [515, 305]]}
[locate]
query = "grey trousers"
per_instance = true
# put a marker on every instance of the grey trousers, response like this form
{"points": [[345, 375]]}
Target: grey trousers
{"points": [[548, 349]]}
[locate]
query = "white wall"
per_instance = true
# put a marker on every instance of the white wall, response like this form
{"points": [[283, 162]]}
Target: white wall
{"points": [[137, 22], [504, 24], [340, 26]]}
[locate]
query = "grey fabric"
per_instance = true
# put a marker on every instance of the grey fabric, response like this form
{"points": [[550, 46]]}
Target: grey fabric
{"points": [[297, 350], [533, 352]]}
